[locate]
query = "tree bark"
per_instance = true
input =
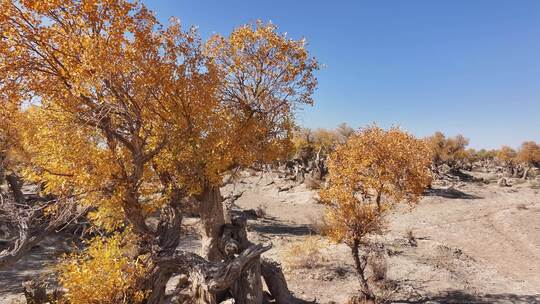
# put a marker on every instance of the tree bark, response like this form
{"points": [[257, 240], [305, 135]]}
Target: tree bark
{"points": [[360, 265], [276, 282], [212, 220], [248, 288], [526, 172], [209, 279], [15, 185]]}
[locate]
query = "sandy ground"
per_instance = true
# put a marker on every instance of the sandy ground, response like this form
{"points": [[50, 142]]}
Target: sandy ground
{"points": [[475, 244]]}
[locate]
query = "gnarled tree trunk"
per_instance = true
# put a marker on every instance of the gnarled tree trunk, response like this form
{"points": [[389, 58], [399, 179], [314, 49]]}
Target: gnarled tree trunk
{"points": [[526, 172], [276, 282], [212, 220]]}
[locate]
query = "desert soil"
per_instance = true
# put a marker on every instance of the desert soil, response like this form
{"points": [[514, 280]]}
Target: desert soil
{"points": [[476, 243]]}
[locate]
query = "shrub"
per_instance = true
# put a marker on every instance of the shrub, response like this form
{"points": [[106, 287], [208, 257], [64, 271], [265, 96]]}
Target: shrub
{"points": [[449, 151], [370, 173], [103, 273]]}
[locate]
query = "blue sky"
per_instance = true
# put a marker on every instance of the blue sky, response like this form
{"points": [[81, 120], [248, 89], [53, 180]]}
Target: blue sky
{"points": [[469, 67]]}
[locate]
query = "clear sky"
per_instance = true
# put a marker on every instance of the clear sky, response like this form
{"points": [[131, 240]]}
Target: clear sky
{"points": [[469, 67]]}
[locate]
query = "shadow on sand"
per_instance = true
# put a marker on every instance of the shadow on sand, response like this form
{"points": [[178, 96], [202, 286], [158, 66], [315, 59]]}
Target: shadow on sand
{"points": [[281, 228], [450, 193]]}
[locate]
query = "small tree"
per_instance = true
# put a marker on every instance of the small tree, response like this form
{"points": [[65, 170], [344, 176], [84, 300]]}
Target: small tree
{"points": [[529, 155], [374, 170]]}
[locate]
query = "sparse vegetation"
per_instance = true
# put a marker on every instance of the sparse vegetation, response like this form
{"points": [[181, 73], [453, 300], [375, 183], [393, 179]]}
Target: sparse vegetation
{"points": [[411, 238], [312, 183], [304, 254], [450, 151], [372, 171], [379, 267], [119, 133], [319, 225]]}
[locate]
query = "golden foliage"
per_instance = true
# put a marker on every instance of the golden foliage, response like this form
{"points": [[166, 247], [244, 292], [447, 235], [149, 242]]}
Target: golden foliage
{"points": [[103, 273], [506, 155], [373, 170], [529, 153], [448, 151], [265, 76], [128, 115], [124, 112]]}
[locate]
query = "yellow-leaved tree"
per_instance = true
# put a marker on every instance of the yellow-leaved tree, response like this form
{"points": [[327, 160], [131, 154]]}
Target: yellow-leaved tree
{"points": [[507, 157], [371, 172], [448, 150], [129, 116], [529, 155]]}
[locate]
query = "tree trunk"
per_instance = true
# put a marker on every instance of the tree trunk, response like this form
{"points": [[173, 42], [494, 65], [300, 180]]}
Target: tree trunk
{"points": [[276, 282], [15, 185], [248, 288], [360, 265], [210, 281], [212, 220], [166, 241], [526, 172], [224, 242]]}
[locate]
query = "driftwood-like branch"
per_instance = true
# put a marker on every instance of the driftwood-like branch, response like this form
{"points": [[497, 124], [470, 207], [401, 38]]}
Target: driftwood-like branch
{"points": [[207, 279], [275, 280], [33, 223]]}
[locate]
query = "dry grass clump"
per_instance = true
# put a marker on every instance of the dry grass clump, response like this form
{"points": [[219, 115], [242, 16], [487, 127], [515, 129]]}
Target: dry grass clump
{"points": [[379, 268], [304, 254], [359, 300], [518, 182], [490, 178]]}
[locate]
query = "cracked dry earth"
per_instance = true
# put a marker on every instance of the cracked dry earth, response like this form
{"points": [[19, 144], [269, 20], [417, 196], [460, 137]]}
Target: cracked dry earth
{"points": [[476, 243]]}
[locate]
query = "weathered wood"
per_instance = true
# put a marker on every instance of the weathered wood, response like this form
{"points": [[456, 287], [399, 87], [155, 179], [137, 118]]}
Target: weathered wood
{"points": [[33, 226], [248, 288], [212, 220], [209, 279], [276, 282]]}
